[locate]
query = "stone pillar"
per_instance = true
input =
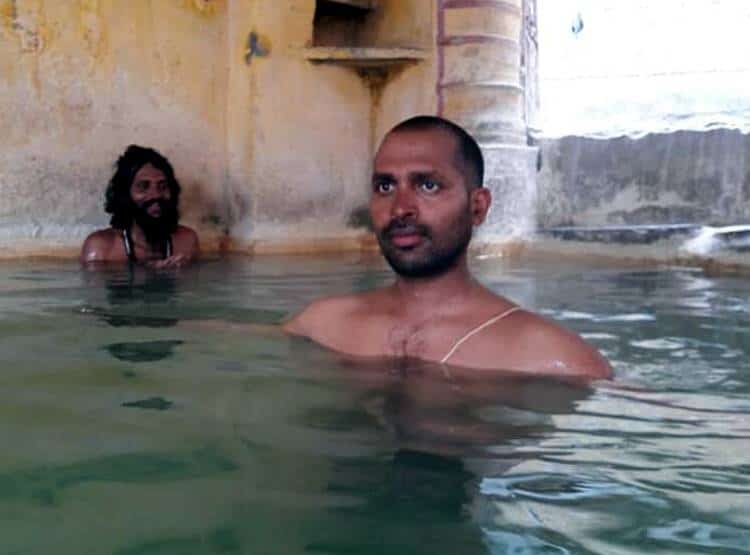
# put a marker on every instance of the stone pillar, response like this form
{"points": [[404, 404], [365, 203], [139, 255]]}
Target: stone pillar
{"points": [[482, 87]]}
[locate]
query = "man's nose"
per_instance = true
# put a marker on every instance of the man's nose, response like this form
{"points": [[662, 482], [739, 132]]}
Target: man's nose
{"points": [[404, 203], [156, 192]]}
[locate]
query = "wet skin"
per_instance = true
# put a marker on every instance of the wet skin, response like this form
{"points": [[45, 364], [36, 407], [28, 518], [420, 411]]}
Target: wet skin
{"points": [[150, 192], [423, 212]]}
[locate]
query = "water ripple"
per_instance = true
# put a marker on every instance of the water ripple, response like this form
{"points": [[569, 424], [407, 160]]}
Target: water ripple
{"points": [[560, 488], [704, 534], [520, 544]]}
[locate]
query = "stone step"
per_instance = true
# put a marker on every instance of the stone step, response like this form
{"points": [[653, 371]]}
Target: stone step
{"points": [[624, 234], [694, 239]]}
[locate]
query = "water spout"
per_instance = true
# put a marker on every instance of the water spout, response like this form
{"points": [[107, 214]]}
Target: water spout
{"points": [[711, 239]]}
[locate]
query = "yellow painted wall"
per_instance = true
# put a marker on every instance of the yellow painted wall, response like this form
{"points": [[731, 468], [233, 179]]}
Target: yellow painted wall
{"points": [[302, 134], [83, 79], [274, 150], [299, 132], [412, 91]]}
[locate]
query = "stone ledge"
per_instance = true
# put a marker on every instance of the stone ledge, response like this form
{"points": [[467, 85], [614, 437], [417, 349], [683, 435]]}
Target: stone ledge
{"points": [[364, 242], [364, 57], [716, 249], [695, 239], [627, 235]]}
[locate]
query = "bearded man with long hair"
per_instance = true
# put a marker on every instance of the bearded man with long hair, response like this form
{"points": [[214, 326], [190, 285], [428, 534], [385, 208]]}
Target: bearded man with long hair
{"points": [[143, 199]]}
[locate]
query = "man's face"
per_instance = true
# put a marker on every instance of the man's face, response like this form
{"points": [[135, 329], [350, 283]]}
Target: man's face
{"points": [[422, 209], [154, 208]]}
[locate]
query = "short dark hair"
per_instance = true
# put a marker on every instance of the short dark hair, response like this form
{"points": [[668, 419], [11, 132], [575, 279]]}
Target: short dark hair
{"points": [[117, 197], [469, 155]]}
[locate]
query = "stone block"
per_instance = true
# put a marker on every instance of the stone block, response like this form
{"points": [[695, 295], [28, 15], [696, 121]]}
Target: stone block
{"points": [[482, 63], [494, 20], [510, 175]]}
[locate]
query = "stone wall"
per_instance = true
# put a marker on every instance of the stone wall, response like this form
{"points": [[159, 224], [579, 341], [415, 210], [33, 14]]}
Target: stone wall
{"points": [[268, 145], [271, 140], [484, 53], [672, 178], [80, 82]]}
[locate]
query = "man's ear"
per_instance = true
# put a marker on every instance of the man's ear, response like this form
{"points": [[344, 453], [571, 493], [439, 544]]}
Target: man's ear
{"points": [[479, 204]]}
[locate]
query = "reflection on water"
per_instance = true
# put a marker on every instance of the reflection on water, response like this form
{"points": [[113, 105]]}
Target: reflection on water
{"points": [[401, 493], [152, 403], [438, 436], [135, 296], [134, 434], [142, 351]]}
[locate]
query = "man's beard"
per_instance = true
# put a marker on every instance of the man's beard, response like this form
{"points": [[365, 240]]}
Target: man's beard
{"points": [[158, 229], [430, 258]]}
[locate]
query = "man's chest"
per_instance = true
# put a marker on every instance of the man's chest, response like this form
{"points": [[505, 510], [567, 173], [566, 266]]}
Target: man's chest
{"points": [[427, 339]]}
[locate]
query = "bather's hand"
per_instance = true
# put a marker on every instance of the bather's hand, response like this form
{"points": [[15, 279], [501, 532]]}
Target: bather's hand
{"points": [[174, 261]]}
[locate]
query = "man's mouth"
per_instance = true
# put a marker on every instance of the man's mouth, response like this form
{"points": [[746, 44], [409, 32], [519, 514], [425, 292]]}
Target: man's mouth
{"points": [[153, 208], [406, 237]]}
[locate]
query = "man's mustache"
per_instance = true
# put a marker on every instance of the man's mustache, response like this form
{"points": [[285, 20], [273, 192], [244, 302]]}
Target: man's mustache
{"points": [[163, 204], [399, 226]]}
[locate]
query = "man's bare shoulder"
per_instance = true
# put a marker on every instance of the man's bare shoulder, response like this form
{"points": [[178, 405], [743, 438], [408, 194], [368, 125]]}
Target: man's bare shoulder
{"points": [[527, 342], [185, 241], [328, 313], [101, 246], [549, 348], [186, 233]]}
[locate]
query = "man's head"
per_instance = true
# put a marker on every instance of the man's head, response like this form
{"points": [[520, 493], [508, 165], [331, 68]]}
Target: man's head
{"points": [[143, 190], [427, 195], [468, 156]]}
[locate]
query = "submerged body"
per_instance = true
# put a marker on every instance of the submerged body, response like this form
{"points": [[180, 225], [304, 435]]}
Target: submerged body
{"points": [[479, 330], [143, 198], [116, 246], [427, 196]]}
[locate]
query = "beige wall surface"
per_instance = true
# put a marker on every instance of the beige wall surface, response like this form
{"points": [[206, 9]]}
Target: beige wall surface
{"points": [[299, 132], [411, 90], [271, 148], [80, 80]]}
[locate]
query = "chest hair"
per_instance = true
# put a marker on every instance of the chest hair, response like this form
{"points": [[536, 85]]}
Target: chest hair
{"points": [[408, 340]]}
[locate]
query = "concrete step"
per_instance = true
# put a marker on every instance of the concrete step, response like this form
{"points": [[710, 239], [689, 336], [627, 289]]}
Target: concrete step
{"points": [[626, 234], [693, 239]]}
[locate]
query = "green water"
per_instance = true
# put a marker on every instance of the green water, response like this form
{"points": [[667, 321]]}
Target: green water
{"points": [[130, 429]]}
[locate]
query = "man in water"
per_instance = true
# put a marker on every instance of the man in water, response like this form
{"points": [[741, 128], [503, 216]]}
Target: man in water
{"points": [[143, 197], [427, 196]]}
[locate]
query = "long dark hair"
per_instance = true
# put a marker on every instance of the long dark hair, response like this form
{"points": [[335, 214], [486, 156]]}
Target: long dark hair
{"points": [[117, 197]]}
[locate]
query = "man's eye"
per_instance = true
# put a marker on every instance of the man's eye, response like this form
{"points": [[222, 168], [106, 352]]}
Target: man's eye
{"points": [[429, 186], [383, 187]]}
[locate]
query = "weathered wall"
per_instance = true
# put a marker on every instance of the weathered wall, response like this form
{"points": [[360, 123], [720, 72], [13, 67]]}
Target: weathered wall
{"points": [[270, 148], [410, 90], [299, 132], [482, 87], [681, 177], [82, 80], [307, 155]]}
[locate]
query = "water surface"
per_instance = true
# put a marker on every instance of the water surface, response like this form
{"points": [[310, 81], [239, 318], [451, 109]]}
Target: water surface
{"points": [[130, 430]]}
